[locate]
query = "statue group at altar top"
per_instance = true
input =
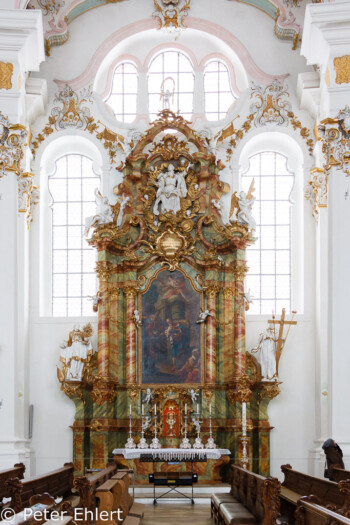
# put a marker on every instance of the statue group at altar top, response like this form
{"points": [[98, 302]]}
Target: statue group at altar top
{"points": [[105, 212], [172, 187]]}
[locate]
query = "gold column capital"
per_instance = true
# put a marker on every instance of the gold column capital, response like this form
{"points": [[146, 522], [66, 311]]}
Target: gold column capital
{"points": [[130, 291], [240, 269], [211, 289], [104, 270]]}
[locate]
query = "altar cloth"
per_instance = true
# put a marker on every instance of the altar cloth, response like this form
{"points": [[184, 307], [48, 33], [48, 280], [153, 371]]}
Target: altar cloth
{"points": [[134, 453]]}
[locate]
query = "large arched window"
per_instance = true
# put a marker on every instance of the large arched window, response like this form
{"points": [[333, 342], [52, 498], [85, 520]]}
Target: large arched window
{"points": [[172, 72], [217, 88], [71, 187], [123, 96], [270, 258]]}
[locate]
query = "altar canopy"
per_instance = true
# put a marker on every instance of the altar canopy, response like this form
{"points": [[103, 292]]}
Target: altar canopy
{"points": [[171, 310]]}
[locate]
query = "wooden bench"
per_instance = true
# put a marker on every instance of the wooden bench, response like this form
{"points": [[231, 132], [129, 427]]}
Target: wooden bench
{"points": [[15, 472], [310, 512], [340, 474], [113, 507], [255, 499], [296, 484], [57, 483]]}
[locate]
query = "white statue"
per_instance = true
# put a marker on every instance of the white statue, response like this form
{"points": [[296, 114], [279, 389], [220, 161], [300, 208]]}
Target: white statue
{"points": [[248, 297], [203, 316], [244, 216], [219, 206], [146, 422], [149, 396], [136, 318], [95, 300], [171, 188], [104, 213], [266, 354], [193, 395], [123, 201], [75, 353]]}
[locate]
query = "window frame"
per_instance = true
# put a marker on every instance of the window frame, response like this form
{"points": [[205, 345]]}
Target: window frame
{"points": [[106, 98], [219, 60]]}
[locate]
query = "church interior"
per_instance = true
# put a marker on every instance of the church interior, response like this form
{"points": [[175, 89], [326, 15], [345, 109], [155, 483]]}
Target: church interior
{"points": [[174, 190]]}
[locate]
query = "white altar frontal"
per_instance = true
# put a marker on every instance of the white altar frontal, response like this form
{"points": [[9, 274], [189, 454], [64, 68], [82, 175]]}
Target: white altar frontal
{"points": [[172, 454]]}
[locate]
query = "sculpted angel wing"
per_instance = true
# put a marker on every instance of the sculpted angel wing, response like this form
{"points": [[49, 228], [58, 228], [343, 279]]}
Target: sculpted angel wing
{"points": [[98, 197], [234, 203], [251, 190]]}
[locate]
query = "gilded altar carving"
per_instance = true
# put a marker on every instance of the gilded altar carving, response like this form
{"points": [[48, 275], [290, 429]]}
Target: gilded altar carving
{"points": [[73, 389], [104, 270], [13, 140], [335, 136], [316, 190], [6, 71], [342, 69], [103, 390], [270, 389]]}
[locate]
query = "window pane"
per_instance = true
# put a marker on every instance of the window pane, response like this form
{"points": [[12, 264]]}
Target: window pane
{"points": [[123, 96], [269, 258], [217, 89], [72, 187]]}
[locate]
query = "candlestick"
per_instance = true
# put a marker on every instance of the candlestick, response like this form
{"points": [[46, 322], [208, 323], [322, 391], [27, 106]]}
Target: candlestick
{"points": [[155, 441], [244, 419], [197, 408], [210, 409], [185, 443], [130, 409], [142, 409], [155, 409], [186, 409], [130, 442]]}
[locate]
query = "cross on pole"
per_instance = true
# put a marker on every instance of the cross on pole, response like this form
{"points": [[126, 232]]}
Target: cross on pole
{"points": [[280, 341]]}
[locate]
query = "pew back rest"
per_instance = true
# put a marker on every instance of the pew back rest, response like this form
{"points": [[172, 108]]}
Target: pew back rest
{"points": [[305, 485], [87, 485], [57, 483], [310, 512], [340, 474], [16, 472]]}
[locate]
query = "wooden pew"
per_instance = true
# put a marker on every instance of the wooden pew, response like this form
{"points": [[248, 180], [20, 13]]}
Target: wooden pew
{"points": [[112, 507], [310, 512], [127, 501], [15, 472], [255, 499], [36, 514], [296, 484], [340, 474], [57, 483]]}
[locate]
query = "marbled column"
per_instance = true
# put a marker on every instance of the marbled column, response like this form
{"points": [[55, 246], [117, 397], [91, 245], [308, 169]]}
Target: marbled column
{"points": [[239, 329], [228, 317], [210, 341], [114, 330], [130, 293], [103, 270]]}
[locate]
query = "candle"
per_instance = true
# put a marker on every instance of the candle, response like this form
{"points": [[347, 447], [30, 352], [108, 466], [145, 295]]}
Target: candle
{"points": [[197, 408], [210, 409], [142, 409], [186, 409], [244, 419], [155, 409], [130, 409]]}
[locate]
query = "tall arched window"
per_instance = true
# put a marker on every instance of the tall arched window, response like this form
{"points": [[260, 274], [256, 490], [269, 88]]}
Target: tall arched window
{"points": [[123, 96], [270, 259], [172, 72], [72, 188], [217, 88]]}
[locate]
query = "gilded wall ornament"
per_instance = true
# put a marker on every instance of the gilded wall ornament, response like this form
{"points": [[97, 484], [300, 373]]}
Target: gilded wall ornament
{"points": [[271, 104], [28, 195], [171, 13], [71, 113], [6, 71], [103, 390], [335, 136], [51, 7], [342, 69], [13, 140], [316, 190]]}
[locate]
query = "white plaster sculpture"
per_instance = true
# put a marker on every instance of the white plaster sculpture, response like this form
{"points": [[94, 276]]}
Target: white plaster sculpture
{"points": [[266, 354], [203, 316], [244, 216], [75, 353], [219, 206], [104, 213], [248, 297], [193, 395], [136, 318], [171, 188], [149, 396], [123, 202]]}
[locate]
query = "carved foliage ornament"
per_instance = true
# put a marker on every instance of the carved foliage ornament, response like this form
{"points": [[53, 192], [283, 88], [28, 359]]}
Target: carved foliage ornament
{"points": [[13, 139], [171, 13], [335, 135], [316, 190], [28, 195], [271, 105]]}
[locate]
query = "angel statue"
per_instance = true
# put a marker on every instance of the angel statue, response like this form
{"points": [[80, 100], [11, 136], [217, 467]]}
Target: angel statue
{"points": [[219, 206], [76, 353], [266, 354], [149, 396], [171, 188], [118, 209], [104, 213], [244, 215], [193, 395], [136, 318], [204, 314]]}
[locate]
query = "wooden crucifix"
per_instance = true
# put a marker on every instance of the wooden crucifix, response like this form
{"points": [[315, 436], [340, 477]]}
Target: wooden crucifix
{"points": [[280, 341]]}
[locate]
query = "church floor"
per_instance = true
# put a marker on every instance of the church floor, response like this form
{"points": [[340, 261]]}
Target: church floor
{"points": [[177, 513]]}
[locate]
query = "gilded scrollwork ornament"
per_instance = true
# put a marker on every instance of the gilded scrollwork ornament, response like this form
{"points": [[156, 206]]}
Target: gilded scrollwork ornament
{"points": [[13, 140], [171, 13], [335, 136], [103, 390], [269, 390], [316, 190]]}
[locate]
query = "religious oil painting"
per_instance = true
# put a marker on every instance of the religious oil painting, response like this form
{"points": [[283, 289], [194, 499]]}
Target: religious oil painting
{"points": [[170, 333]]}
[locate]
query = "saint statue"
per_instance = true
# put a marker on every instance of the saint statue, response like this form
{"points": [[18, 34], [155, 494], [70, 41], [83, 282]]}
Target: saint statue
{"points": [[75, 353], [104, 213], [171, 188], [266, 354]]}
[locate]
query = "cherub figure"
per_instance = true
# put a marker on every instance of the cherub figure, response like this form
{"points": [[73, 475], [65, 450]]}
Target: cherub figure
{"points": [[149, 396], [193, 395], [204, 314], [136, 318]]}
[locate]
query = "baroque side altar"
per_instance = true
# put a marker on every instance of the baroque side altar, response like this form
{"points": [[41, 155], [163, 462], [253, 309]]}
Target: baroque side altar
{"points": [[171, 311]]}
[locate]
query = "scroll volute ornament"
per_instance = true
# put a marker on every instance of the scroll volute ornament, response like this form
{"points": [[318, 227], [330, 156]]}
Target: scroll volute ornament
{"points": [[335, 135], [103, 389], [271, 501]]}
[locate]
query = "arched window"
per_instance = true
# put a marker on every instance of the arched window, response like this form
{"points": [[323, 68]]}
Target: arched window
{"points": [[172, 72], [270, 258], [217, 88], [71, 187], [123, 96]]}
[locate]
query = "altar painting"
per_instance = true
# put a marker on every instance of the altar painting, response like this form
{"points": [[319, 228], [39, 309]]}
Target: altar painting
{"points": [[170, 334]]}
